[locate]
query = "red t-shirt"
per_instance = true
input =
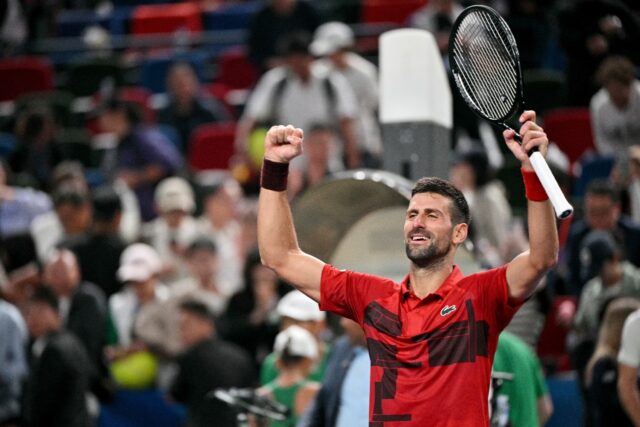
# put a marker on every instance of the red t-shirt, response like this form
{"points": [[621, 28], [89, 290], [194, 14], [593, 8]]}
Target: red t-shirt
{"points": [[430, 359]]}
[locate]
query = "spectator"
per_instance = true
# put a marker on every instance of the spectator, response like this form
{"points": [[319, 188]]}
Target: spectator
{"points": [[251, 320], [304, 93], [81, 306], [615, 108], [295, 308], [174, 228], [13, 363], [628, 364], [188, 108], [320, 139], [157, 324], [59, 369], [526, 394], [37, 154], [276, 19], [334, 42], [633, 187], [99, 252], [143, 156], [601, 376], [139, 269], [219, 222], [19, 206], [602, 211], [207, 364], [437, 17], [610, 276], [296, 351], [590, 31], [69, 221], [492, 219], [343, 399]]}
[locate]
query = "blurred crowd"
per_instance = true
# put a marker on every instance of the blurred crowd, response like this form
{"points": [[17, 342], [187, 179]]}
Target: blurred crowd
{"points": [[127, 266]]}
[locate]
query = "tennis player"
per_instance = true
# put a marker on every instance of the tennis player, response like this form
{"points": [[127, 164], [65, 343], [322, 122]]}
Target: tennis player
{"points": [[432, 337]]}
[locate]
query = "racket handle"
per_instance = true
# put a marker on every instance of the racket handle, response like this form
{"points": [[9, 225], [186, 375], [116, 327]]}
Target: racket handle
{"points": [[560, 204]]}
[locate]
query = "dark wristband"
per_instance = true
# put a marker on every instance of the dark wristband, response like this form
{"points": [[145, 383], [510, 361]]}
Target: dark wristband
{"points": [[274, 175], [533, 188]]}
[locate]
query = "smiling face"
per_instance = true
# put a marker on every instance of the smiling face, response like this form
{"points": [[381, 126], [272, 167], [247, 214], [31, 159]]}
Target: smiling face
{"points": [[430, 235]]}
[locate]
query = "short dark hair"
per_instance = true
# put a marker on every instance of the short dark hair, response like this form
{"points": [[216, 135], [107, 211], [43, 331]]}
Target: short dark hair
{"points": [[616, 69], [69, 194], [45, 295], [202, 244], [601, 187], [198, 309], [106, 204], [296, 43], [459, 206]]}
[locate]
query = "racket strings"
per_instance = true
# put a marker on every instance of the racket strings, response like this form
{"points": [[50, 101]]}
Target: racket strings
{"points": [[482, 47]]}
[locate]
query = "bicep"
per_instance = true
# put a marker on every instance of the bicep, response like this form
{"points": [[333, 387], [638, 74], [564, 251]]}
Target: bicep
{"points": [[304, 272], [522, 277]]}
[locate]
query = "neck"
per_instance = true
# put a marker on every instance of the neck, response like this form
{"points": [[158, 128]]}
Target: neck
{"points": [[291, 376], [426, 280]]}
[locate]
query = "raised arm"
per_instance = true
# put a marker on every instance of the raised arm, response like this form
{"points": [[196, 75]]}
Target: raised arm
{"points": [[277, 239], [524, 271]]}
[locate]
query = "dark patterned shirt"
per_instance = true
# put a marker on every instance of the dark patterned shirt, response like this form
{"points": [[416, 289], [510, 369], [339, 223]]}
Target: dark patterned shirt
{"points": [[431, 358]]}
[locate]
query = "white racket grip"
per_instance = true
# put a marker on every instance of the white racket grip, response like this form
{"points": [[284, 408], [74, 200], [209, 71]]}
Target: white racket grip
{"points": [[560, 204]]}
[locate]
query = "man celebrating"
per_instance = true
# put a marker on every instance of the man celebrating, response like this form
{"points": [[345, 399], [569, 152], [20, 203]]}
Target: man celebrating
{"points": [[432, 337]]}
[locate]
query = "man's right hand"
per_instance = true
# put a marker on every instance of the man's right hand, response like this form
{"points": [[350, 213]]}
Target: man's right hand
{"points": [[283, 143]]}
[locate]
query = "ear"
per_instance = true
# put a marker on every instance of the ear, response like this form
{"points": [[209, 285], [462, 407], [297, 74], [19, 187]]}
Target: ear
{"points": [[460, 232]]}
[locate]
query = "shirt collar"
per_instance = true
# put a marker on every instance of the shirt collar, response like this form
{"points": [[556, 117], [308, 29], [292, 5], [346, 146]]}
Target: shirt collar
{"points": [[441, 292]]}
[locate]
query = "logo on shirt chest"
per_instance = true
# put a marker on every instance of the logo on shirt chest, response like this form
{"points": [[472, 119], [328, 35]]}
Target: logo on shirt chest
{"points": [[447, 309]]}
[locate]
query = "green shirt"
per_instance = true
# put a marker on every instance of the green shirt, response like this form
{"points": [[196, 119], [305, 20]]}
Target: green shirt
{"points": [[287, 397], [269, 372], [515, 357]]}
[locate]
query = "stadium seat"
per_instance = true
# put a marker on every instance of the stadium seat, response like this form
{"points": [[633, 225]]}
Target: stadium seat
{"points": [[87, 78], [166, 18], [235, 70], [570, 129], [391, 11], [23, 75], [211, 146], [230, 16], [153, 71], [7, 145], [592, 167], [544, 90], [72, 23]]}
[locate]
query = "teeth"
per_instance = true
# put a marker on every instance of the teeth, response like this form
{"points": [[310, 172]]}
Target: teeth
{"points": [[418, 238]]}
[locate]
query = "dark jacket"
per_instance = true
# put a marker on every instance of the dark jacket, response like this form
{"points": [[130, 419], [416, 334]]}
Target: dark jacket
{"points": [[58, 384]]}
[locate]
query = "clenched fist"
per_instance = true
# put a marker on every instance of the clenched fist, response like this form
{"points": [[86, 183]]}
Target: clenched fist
{"points": [[283, 143]]}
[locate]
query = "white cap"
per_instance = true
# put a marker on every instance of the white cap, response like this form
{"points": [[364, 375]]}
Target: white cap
{"points": [[331, 37], [296, 341], [174, 193], [138, 263], [298, 306]]}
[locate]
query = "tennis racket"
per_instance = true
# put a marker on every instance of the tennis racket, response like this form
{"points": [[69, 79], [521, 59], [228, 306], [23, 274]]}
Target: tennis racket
{"points": [[485, 64]]}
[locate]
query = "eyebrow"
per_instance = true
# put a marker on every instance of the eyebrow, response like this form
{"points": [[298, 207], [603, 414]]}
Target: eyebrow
{"points": [[427, 210]]}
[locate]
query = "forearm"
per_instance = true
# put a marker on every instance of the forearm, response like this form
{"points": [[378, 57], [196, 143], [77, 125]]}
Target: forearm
{"points": [[350, 143], [276, 234], [543, 235]]}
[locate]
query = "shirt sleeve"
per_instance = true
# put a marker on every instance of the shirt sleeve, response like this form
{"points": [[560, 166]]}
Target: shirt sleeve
{"points": [[630, 345], [347, 293], [495, 296]]}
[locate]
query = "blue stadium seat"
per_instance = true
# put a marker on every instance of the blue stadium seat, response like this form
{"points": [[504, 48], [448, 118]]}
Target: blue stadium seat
{"points": [[593, 167], [230, 17], [7, 145], [153, 71], [71, 23]]}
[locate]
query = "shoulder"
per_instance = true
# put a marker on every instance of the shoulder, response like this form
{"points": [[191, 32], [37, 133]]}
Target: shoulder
{"points": [[599, 100]]}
